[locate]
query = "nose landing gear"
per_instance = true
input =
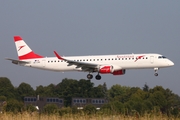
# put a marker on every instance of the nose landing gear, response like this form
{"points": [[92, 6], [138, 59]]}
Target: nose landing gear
{"points": [[156, 73]]}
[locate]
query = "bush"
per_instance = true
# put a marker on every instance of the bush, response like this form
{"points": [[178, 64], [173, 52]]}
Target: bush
{"points": [[50, 109], [14, 106], [31, 108], [89, 109], [65, 110]]}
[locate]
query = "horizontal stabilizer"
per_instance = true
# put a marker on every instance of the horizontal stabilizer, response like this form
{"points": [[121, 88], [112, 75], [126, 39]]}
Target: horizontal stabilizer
{"points": [[17, 61]]}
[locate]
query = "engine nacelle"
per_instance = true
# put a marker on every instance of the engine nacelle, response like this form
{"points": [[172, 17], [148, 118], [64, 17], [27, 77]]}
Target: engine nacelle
{"points": [[115, 70], [105, 69], [119, 72]]}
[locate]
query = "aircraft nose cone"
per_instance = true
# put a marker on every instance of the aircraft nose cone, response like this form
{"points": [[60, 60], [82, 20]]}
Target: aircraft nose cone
{"points": [[170, 63]]}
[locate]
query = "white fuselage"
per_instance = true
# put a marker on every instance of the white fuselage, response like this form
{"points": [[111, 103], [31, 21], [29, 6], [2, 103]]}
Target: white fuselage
{"points": [[126, 61], [102, 64]]}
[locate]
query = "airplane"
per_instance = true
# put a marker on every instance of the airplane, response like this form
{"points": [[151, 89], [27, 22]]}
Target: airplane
{"points": [[102, 64]]}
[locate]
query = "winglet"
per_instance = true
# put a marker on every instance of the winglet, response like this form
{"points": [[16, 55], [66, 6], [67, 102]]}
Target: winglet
{"points": [[58, 56]]}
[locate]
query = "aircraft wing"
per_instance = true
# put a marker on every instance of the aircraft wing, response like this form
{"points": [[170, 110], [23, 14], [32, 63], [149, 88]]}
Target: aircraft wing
{"points": [[17, 61], [83, 65]]}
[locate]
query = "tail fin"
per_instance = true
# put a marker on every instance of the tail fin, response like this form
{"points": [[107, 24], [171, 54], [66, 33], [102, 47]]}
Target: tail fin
{"points": [[23, 50]]}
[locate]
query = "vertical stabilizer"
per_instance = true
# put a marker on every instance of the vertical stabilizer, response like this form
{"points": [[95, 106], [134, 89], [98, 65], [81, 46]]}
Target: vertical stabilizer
{"points": [[23, 50]]}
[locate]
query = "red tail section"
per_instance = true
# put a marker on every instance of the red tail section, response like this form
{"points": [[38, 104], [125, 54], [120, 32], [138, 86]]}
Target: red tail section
{"points": [[23, 50], [30, 55]]}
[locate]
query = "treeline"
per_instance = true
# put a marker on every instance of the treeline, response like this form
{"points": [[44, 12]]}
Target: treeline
{"points": [[122, 99]]}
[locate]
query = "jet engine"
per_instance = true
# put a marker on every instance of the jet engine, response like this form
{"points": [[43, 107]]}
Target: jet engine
{"points": [[115, 70]]}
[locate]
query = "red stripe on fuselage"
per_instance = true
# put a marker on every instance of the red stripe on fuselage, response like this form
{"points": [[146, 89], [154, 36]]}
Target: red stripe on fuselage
{"points": [[17, 38], [30, 55]]}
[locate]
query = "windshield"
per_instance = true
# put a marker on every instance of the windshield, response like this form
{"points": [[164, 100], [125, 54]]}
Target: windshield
{"points": [[161, 57]]}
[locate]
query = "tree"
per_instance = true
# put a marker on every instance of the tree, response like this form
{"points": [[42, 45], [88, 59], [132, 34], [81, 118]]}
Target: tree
{"points": [[6, 88], [84, 88], [146, 88], [118, 92], [46, 91], [24, 90], [105, 91], [97, 92], [69, 88], [158, 99], [40, 90]]}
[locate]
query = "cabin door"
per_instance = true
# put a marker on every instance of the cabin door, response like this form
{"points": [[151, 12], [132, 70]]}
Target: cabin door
{"points": [[152, 59]]}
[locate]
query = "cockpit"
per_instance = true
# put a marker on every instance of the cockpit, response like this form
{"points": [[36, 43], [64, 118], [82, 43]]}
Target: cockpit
{"points": [[161, 57]]}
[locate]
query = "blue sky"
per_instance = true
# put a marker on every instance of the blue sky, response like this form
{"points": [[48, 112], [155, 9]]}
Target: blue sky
{"points": [[92, 28]]}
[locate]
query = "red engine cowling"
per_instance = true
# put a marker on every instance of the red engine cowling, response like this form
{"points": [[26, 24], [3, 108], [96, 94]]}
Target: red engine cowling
{"points": [[119, 72], [105, 70]]}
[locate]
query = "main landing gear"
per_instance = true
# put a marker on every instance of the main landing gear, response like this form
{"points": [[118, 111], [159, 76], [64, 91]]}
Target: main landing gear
{"points": [[90, 76], [156, 73], [98, 77]]}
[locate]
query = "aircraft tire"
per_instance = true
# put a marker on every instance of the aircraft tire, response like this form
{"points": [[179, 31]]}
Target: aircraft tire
{"points": [[155, 74], [89, 76], [98, 77]]}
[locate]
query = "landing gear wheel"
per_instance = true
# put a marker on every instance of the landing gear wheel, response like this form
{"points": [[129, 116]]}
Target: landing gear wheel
{"points": [[156, 74], [98, 77], [89, 76]]}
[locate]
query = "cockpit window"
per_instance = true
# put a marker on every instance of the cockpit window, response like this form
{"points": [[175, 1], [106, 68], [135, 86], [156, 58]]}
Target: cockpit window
{"points": [[161, 57]]}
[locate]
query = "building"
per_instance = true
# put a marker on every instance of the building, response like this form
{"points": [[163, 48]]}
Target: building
{"points": [[42, 101], [81, 102]]}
